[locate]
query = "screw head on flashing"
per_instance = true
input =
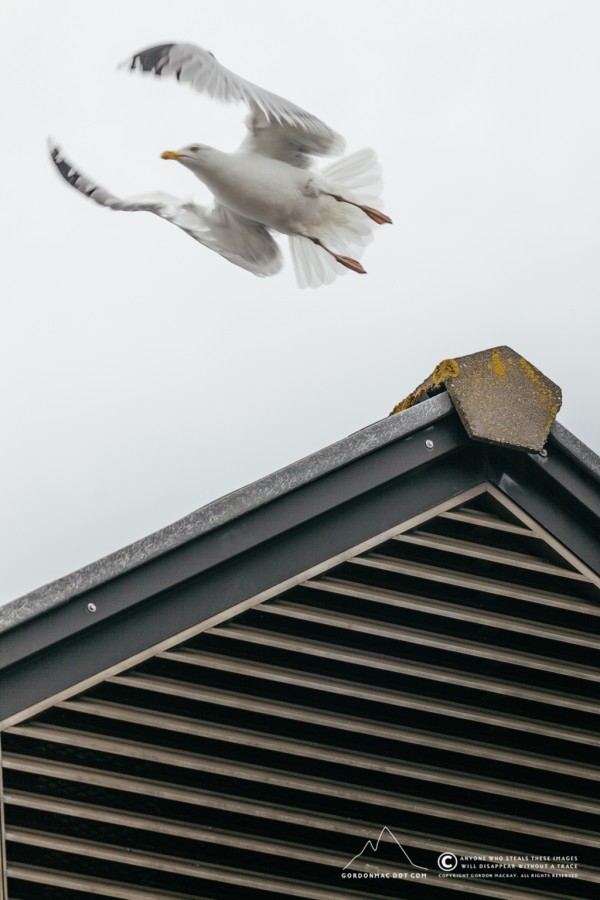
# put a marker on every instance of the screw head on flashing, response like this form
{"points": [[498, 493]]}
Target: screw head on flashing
{"points": [[429, 444], [91, 607], [543, 452]]}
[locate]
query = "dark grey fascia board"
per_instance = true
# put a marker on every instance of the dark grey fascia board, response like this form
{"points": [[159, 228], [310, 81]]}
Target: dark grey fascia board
{"points": [[559, 489], [242, 559]]}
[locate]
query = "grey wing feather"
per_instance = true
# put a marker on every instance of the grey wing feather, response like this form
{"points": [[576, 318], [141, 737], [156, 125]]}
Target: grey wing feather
{"points": [[283, 142], [276, 126], [243, 242]]}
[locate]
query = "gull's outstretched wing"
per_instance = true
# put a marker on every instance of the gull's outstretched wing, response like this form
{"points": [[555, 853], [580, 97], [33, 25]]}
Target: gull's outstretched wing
{"points": [[276, 127], [243, 242]]}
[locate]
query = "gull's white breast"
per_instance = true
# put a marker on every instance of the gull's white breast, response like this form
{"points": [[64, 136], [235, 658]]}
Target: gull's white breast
{"points": [[278, 195]]}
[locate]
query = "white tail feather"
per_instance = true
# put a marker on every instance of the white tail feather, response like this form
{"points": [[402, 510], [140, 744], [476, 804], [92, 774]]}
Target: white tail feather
{"points": [[343, 228], [359, 173], [313, 266]]}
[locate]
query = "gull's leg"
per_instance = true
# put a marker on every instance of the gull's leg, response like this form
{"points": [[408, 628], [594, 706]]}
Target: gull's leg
{"points": [[374, 214], [347, 261]]}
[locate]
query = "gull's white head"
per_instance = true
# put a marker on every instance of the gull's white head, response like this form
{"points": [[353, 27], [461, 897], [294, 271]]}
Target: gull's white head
{"points": [[194, 156]]}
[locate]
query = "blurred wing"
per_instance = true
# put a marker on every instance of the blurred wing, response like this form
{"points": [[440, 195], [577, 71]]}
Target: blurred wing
{"points": [[276, 127], [243, 242], [284, 142]]}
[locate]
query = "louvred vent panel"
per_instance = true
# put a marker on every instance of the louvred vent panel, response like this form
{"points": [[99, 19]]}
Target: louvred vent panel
{"points": [[443, 686]]}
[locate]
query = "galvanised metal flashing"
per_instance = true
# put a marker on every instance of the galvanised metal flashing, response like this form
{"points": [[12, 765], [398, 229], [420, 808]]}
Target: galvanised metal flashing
{"points": [[584, 459], [224, 510], [250, 543]]}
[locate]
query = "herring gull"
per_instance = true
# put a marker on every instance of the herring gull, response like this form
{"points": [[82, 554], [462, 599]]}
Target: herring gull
{"points": [[269, 184]]}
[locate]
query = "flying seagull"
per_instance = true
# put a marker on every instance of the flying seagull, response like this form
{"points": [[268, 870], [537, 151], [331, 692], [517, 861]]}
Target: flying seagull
{"points": [[268, 185]]}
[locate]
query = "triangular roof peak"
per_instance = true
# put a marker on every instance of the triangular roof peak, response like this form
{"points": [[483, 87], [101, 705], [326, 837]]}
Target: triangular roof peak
{"points": [[252, 542]]}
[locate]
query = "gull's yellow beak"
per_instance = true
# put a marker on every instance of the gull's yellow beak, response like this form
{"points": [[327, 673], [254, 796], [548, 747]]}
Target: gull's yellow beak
{"points": [[170, 154]]}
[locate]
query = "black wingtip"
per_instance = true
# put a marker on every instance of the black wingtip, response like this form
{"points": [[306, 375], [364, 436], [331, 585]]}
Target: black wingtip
{"points": [[66, 169], [71, 175], [153, 59]]}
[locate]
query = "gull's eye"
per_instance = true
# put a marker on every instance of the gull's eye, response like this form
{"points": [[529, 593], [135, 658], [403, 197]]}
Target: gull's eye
{"points": [[194, 149]]}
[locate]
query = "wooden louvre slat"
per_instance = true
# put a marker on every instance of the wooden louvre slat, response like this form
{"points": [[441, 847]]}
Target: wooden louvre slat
{"points": [[455, 611], [185, 795], [178, 829], [379, 695], [424, 704], [423, 538], [122, 892], [476, 582], [348, 758], [425, 638], [486, 520], [56, 878], [321, 786], [410, 668], [324, 822], [171, 865]]}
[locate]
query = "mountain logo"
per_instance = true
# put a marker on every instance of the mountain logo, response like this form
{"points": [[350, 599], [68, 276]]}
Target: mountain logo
{"points": [[374, 848]]}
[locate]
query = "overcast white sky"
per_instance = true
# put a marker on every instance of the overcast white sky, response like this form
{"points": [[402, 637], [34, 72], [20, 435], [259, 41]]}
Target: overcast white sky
{"points": [[144, 376]]}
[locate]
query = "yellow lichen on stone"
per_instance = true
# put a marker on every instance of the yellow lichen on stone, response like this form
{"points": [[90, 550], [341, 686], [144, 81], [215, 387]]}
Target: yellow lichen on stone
{"points": [[545, 393], [529, 370], [448, 368], [498, 366], [404, 404]]}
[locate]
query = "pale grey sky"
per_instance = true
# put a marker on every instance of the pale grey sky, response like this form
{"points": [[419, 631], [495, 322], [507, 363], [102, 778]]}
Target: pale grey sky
{"points": [[145, 376]]}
